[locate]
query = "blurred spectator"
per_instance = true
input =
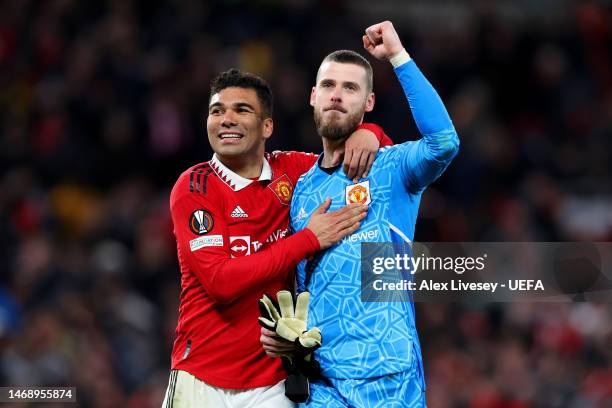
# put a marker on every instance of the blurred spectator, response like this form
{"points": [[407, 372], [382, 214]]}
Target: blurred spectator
{"points": [[104, 103]]}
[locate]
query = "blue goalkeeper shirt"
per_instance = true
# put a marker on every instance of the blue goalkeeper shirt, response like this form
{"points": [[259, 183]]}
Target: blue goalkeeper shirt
{"points": [[371, 339]]}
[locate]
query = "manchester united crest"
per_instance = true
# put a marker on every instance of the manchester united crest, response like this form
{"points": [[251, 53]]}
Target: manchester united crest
{"points": [[358, 193], [283, 189]]}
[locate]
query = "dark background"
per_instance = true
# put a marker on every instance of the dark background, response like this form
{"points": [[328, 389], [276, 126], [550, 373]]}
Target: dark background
{"points": [[103, 104]]}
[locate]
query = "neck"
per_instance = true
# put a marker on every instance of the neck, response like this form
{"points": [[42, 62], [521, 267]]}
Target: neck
{"points": [[330, 149], [244, 168]]}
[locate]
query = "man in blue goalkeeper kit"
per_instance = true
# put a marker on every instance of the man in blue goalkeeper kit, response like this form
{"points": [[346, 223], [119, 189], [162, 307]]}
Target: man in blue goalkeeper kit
{"points": [[370, 355]]}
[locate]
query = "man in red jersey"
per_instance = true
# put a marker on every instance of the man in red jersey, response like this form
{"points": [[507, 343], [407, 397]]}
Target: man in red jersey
{"points": [[230, 218]]}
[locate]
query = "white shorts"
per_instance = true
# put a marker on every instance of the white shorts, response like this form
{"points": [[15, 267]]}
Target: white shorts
{"points": [[186, 391]]}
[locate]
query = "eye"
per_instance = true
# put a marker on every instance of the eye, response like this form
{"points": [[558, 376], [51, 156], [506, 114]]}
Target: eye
{"points": [[350, 87], [214, 111]]}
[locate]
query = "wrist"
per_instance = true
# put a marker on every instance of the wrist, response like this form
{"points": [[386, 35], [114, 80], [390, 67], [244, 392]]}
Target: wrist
{"points": [[311, 241], [399, 58]]}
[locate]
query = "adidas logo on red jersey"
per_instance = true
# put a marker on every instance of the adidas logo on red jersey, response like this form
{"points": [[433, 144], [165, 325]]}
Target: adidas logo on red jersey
{"points": [[239, 213]]}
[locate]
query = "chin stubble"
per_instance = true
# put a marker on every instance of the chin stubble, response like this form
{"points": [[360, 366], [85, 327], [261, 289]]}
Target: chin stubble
{"points": [[336, 131]]}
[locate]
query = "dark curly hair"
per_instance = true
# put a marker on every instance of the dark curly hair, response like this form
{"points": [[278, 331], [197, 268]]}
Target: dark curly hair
{"points": [[236, 78]]}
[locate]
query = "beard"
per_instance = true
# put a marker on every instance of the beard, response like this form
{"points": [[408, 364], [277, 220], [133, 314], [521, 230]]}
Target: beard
{"points": [[337, 129]]}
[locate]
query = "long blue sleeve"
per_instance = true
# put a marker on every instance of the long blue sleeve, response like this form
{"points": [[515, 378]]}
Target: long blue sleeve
{"points": [[427, 158]]}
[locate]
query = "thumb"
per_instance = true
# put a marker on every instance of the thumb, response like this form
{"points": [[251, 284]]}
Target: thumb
{"points": [[337, 157], [322, 209]]}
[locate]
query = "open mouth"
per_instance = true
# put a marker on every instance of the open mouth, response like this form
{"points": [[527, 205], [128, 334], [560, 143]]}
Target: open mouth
{"points": [[229, 136]]}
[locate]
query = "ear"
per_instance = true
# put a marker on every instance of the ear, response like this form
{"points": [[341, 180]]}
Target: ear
{"points": [[268, 127], [313, 96], [369, 106]]}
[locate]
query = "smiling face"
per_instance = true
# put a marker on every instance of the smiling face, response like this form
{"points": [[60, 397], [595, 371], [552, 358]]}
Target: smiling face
{"points": [[237, 126], [340, 98]]}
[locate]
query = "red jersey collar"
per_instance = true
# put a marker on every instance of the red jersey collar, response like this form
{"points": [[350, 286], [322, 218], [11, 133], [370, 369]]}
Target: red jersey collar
{"points": [[235, 181]]}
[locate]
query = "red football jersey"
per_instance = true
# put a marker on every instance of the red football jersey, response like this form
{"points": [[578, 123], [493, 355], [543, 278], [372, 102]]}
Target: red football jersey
{"points": [[223, 225]]}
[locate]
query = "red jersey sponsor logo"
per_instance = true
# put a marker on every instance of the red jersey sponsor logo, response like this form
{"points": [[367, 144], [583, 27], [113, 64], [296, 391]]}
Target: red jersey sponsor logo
{"points": [[206, 241], [283, 189], [240, 246], [278, 234]]}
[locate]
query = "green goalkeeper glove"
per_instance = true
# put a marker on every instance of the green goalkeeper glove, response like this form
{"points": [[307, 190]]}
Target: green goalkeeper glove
{"points": [[290, 324]]}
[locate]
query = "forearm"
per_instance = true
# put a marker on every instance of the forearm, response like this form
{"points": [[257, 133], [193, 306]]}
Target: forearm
{"points": [[430, 114], [226, 279]]}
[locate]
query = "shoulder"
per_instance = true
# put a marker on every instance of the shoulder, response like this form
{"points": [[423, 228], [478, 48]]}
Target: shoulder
{"points": [[305, 180], [391, 155], [284, 156], [291, 158], [193, 181], [292, 163]]}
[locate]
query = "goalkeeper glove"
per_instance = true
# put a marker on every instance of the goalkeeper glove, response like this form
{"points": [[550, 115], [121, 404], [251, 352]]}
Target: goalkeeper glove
{"points": [[290, 324]]}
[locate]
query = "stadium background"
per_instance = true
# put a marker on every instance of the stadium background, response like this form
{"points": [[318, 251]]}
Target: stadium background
{"points": [[103, 104]]}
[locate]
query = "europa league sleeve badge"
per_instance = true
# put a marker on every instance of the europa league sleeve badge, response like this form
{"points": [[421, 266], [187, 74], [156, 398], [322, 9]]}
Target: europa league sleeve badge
{"points": [[200, 222], [358, 193]]}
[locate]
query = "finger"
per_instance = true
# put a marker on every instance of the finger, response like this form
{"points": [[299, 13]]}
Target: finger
{"points": [[337, 157], [279, 349], [279, 353], [268, 308], [353, 210], [267, 332], [371, 157], [351, 228], [347, 211], [347, 223], [357, 218], [367, 44], [347, 231], [374, 33], [275, 355], [357, 212], [267, 323], [301, 306], [348, 156], [361, 166], [322, 209], [354, 165], [370, 32], [285, 302], [313, 333], [272, 344]]}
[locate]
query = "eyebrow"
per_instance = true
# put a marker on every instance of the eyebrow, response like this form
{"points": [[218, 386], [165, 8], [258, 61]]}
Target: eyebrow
{"points": [[329, 80], [235, 105]]}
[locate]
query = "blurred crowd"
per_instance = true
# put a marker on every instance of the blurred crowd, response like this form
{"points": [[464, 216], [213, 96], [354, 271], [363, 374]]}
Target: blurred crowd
{"points": [[103, 105]]}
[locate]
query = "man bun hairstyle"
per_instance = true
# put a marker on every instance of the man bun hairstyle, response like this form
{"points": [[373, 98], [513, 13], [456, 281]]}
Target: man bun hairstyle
{"points": [[240, 79]]}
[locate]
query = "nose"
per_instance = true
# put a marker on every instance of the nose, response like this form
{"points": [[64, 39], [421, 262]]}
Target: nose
{"points": [[336, 95], [229, 119]]}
